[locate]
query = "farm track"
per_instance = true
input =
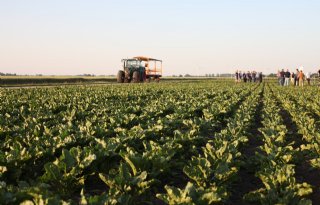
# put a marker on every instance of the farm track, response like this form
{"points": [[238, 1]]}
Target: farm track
{"points": [[247, 181], [304, 172], [97, 83], [56, 85]]}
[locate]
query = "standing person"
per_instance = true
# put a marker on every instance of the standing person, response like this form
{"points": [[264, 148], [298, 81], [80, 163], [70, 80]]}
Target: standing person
{"points": [[292, 78], [308, 76], [254, 76], [260, 77], [301, 78], [286, 78], [249, 76], [279, 77], [282, 77], [237, 76], [296, 79], [142, 74], [244, 76], [240, 76]]}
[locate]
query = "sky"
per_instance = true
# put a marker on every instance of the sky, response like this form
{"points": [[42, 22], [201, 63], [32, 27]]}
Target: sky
{"points": [[69, 37]]}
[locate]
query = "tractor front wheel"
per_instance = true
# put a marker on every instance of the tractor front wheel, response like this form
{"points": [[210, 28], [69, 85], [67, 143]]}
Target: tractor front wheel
{"points": [[135, 77], [126, 78], [120, 76]]}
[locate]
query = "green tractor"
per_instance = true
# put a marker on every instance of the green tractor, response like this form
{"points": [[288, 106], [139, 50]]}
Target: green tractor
{"points": [[140, 69]]}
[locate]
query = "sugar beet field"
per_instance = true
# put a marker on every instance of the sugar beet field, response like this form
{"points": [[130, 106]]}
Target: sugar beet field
{"points": [[202, 142]]}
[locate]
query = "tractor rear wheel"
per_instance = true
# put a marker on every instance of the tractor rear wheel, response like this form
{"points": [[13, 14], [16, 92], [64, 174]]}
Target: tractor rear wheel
{"points": [[135, 77], [120, 76]]}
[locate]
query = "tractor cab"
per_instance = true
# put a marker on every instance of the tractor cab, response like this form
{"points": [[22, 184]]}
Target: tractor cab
{"points": [[140, 69]]}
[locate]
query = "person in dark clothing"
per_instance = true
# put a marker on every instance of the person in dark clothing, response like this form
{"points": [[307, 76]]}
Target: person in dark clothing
{"points": [[244, 76], [249, 76], [237, 76], [287, 78], [260, 77], [292, 78], [142, 73]]}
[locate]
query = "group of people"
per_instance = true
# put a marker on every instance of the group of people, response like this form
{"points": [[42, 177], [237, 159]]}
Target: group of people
{"points": [[250, 76], [296, 78]]}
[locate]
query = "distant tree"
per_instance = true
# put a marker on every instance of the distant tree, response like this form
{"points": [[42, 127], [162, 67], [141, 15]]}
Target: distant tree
{"points": [[187, 75], [87, 75], [180, 76], [7, 74]]}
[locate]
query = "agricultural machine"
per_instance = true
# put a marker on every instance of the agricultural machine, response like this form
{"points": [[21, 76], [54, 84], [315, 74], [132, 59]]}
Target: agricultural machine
{"points": [[140, 69]]}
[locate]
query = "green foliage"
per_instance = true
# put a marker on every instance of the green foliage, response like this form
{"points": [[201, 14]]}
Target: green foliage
{"points": [[126, 185], [138, 144], [64, 174], [190, 195], [276, 171]]}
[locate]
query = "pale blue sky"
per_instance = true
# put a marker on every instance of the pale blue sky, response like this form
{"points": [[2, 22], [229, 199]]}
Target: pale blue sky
{"points": [[195, 37]]}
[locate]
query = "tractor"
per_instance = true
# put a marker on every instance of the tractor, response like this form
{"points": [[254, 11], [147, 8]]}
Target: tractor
{"points": [[140, 69]]}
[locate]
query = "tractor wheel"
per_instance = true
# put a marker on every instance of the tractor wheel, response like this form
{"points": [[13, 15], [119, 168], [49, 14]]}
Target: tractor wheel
{"points": [[120, 76], [157, 79], [135, 77], [127, 78]]}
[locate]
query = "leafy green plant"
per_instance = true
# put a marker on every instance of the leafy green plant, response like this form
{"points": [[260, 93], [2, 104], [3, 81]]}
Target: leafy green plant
{"points": [[125, 184], [190, 195], [64, 174]]}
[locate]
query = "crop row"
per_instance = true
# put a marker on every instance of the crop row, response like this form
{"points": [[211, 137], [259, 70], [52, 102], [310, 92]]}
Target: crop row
{"points": [[275, 159]]}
